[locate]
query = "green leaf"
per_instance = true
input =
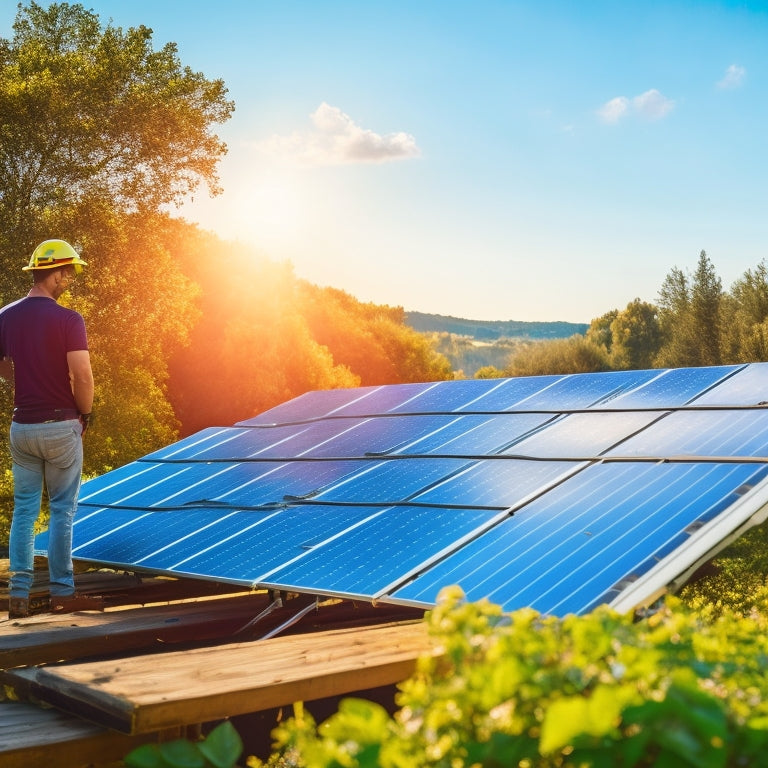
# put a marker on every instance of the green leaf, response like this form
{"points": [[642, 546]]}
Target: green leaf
{"points": [[568, 718], [181, 754], [357, 719], [222, 746], [145, 756]]}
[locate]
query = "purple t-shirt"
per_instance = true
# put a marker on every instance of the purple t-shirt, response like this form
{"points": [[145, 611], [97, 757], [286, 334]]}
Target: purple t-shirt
{"points": [[36, 333]]}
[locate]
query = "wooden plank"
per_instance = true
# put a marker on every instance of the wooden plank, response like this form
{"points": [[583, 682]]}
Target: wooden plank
{"points": [[31, 735], [48, 638], [154, 692]]}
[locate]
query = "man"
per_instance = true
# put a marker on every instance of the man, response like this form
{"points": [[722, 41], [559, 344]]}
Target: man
{"points": [[45, 349]]}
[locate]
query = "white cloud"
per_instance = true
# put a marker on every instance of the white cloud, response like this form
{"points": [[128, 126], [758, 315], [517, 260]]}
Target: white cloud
{"points": [[733, 78], [651, 105], [613, 110], [336, 140]]}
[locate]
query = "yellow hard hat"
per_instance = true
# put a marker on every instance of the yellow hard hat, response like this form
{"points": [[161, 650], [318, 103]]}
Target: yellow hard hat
{"points": [[54, 253]]}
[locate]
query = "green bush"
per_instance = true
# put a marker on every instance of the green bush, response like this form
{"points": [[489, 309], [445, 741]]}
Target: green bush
{"points": [[682, 687]]}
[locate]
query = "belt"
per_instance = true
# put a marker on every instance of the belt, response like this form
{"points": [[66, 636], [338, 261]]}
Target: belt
{"points": [[44, 416]]}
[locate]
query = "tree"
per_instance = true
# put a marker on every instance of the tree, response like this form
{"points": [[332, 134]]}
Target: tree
{"points": [[599, 331], [252, 347], [635, 335], [99, 133], [745, 318], [574, 355], [264, 337], [90, 114], [689, 317], [372, 340]]}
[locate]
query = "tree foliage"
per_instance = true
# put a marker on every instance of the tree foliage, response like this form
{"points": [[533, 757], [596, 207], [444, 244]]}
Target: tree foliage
{"points": [[98, 132], [91, 113], [265, 336], [689, 316], [636, 336], [745, 311], [578, 354]]}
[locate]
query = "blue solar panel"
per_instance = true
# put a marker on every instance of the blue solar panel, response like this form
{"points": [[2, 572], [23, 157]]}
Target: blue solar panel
{"points": [[551, 555], [555, 492], [351, 564], [674, 387]]}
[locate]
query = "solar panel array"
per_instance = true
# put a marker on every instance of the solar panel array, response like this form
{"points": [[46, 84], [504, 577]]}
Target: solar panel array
{"points": [[554, 492]]}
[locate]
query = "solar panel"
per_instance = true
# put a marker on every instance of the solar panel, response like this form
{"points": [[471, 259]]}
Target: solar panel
{"points": [[554, 492]]}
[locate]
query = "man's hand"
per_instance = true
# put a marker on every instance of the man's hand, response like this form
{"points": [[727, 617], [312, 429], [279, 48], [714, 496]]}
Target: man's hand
{"points": [[85, 420]]}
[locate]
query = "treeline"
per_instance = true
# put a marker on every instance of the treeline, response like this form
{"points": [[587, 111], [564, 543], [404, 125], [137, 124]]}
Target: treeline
{"points": [[488, 330], [694, 322]]}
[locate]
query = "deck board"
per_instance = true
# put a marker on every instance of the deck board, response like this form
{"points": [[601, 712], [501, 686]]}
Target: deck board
{"points": [[152, 692], [32, 736]]}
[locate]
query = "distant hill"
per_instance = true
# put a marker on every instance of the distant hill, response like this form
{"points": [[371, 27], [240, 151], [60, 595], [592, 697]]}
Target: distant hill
{"points": [[489, 330]]}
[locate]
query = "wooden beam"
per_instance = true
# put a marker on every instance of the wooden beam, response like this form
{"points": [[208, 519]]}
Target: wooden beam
{"points": [[150, 693], [31, 735]]}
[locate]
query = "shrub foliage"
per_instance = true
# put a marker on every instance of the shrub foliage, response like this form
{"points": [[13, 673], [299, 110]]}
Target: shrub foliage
{"points": [[681, 687]]}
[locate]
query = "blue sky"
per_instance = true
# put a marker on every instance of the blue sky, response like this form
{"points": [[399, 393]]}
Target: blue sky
{"points": [[544, 160]]}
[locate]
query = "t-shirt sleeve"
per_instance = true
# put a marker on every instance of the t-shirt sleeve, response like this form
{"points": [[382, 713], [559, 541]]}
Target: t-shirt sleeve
{"points": [[76, 337]]}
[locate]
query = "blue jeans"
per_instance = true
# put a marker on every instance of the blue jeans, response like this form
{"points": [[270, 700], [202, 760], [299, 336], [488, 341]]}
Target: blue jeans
{"points": [[50, 453]]}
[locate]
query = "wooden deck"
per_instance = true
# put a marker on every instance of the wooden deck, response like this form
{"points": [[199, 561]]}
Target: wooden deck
{"points": [[170, 655]]}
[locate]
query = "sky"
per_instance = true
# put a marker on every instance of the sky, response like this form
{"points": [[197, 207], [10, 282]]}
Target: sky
{"points": [[547, 160]]}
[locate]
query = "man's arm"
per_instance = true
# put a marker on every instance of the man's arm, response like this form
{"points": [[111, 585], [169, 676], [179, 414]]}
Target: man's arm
{"points": [[81, 377]]}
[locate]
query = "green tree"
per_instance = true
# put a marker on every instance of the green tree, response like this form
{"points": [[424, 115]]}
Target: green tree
{"points": [[745, 317], [96, 114], [599, 331], [635, 336], [99, 134], [690, 317]]}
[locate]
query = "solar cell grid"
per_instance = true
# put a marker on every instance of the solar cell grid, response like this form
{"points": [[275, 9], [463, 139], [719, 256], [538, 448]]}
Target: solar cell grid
{"points": [[448, 396], [497, 482], [674, 387], [391, 481], [354, 564], [584, 390], [747, 386], [583, 434], [551, 547], [290, 534], [310, 405]]}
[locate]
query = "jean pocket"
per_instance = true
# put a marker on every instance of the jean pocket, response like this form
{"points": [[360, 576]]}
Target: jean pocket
{"points": [[61, 448]]}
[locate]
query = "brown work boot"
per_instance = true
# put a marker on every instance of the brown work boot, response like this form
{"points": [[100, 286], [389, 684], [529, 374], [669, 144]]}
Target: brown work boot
{"points": [[18, 607], [76, 602]]}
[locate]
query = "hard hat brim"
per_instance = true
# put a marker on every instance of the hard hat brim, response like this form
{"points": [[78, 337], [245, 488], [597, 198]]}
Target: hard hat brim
{"points": [[78, 264]]}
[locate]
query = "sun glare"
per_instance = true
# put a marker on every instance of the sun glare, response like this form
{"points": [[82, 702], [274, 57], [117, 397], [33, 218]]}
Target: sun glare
{"points": [[266, 210]]}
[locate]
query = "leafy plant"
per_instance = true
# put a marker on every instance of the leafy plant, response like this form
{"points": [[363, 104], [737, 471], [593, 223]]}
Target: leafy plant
{"points": [[680, 688], [220, 749]]}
